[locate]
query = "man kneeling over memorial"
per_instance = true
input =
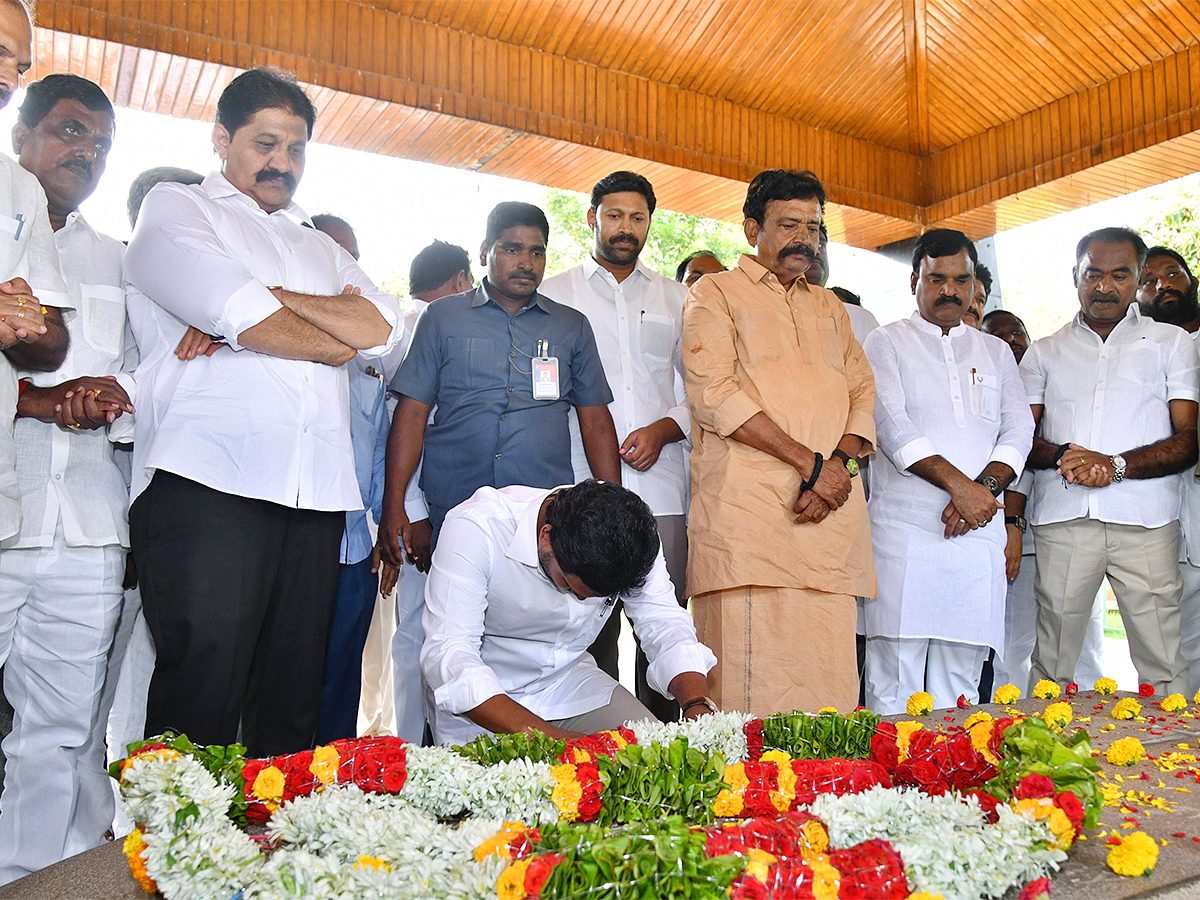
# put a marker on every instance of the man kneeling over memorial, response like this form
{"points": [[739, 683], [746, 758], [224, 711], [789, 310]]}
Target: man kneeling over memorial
{"points": [[522, 580]]}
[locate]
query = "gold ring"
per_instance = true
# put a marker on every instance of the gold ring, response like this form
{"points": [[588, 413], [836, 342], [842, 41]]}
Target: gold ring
{"points": [[44, 310], [21, 313], [73, 425], [21, 301], [95, 392]]}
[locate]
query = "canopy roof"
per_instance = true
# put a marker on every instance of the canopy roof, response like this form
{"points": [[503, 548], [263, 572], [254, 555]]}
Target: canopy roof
{"points": [[915, 113]]}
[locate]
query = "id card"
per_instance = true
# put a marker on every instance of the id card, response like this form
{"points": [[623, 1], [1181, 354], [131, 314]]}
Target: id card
{"points": [[985, 396], [545, 378]]}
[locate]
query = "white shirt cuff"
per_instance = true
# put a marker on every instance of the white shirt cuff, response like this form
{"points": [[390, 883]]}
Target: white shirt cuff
{"points": [[682, 658], [246, 307], [468, 689], [913, 452], [1011, 458]]}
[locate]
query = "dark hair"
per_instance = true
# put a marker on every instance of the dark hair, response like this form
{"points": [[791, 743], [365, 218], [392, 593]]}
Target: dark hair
{"points": [[320, 220], [780, 184], [1117, 234], [603, 534], [511, 213], [140, 186], [42, 96], [984, 275], [681, 269], [619, 182], [847, 296], [824, 239], [1160, 250], [942, 242], [263, 88], [1002, 312], [435, 265]]}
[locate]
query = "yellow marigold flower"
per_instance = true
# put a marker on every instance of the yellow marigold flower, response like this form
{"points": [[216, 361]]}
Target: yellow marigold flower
{"points": [[325, 764], [816, 838], [1196, 699], [981, 734], [132, 848], [372, 862], [1034, 807], [268, 785], [758, 863], [581, 755], [826, 879], [976, 717], [567, 792], [1126, 708], [776, 756], [1058, 715], [1006, 694], [787, 782], [727, 804], [160, 753], [1046, 690], [1135, 855], [1125, 752], [1106, 686], [925, 895], [1061, 827], [920, 704], [904, 733], [735, 777], [779, 801], [511, 883], [618, 739], [497, 844], [1173, 703], [827, 709]]}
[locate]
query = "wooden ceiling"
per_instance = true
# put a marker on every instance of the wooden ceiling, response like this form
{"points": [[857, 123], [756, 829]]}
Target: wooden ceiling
{"points": [[980, 115]]}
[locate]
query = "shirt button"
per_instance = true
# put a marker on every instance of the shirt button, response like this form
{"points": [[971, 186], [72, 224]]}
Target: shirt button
{"points": [[512, 321], [58, 477], [512, 354], [510, 388], [503, 416], [306, 431], [497, 456], [629, 387]]}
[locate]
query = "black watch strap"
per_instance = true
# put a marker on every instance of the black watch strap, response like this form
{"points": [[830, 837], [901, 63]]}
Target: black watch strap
{"points": [[1019, 521], [1058, 454], [842, 455]]}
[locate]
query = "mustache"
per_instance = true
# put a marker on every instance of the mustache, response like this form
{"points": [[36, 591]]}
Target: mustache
{"points": [[522, 273], [1168, 292], [798, 250], [1111, 298], [82, 166], [947, 299], [624, 239], [272, 174]]}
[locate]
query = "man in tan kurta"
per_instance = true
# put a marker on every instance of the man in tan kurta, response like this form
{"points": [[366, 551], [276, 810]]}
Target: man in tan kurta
{"points": [[782, 398]]}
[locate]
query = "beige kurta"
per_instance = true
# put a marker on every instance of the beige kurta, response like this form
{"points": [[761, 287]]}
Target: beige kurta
{"points": [[750, 346]]}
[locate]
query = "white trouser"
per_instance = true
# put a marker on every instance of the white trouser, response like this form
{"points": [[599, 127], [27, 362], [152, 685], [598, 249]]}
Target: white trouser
{"points": [[126, 684], [58, 611], [1020, 634], [1189, 621], [406, 655], [899, 667]]}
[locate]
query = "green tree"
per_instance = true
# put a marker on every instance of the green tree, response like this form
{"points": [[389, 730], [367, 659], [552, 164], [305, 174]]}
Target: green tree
{"points": [[1171, 217], [673, 235]]}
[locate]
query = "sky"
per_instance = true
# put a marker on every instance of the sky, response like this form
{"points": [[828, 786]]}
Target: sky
{"points": [[398, 206]]}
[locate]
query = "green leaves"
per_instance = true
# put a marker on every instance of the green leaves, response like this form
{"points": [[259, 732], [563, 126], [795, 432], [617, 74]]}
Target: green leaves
{"points": [[821, 736], [647, 782], [489, 749], [1031, 747]]}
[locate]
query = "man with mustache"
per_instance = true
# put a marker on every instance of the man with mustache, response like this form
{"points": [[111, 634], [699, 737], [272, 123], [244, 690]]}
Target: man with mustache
{"points": [[782, 398], [1114, 393], [1167, 293], [243, 468], [61, 579], [635, 314], [950, 410]]}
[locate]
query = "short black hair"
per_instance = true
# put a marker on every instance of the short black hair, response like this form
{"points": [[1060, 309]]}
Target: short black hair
{"points": [[603, 534], [1160, 250], [140, 186], [266, 87], [1115, 234], [435, 265], [619, 182], [320, 220], [1002, 312], [681, 269], [511, 213], [847, 296], [940, 242], [780, 184], [42, 96], [984, 275]]}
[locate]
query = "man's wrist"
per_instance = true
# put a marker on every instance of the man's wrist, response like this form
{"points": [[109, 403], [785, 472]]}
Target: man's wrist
{"points": [[702, 701]]}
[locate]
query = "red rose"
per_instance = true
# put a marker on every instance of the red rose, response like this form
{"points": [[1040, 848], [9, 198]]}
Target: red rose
{"points": [[257, 812], [748, 888], [754, 738], [1146, 690], [539, 871], [249, 772], [1072, 808], [1035, 888], [987, 804], [1033, 787], [757, 802], [1072, 689], [963, 702], [393, 779], [997, 738], [925, 773], [590, 806]]}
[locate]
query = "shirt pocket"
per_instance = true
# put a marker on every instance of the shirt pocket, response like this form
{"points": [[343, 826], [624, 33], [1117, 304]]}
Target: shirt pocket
{"points": [[656, 336], [9, 227], [1140, 367], [762, 334], [103, 317], [472, 363], [985, 397], [832, 349]]}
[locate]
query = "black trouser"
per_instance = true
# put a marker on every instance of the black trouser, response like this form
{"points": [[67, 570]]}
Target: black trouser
{"points": [[237, 594]]}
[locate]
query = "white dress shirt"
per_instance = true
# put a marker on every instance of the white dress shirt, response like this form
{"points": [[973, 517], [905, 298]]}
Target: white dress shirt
{"points": [[495, 624], [26, 251], [638, 325], [958, 396], [1189, 506], [1109, 396], [239, 422], [69, 478], [862, 322]]}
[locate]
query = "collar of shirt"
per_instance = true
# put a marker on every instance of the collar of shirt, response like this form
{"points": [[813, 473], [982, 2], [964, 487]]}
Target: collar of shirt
{"points": [[217, 186], [921, 324], [482, 296], [76, 220], [1131, 322], [591, 268], [760, 274], [523, 548]]}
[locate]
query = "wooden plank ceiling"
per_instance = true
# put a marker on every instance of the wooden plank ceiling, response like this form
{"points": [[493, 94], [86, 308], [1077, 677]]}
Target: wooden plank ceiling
{"points": [[915, 113]]}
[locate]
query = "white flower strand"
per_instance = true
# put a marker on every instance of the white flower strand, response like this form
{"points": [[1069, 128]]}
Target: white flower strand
{"points": [[720, 732]]}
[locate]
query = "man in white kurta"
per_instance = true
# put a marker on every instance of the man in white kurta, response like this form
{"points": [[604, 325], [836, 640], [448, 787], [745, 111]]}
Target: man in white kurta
{"points": [[507, 625], [953, 429]]}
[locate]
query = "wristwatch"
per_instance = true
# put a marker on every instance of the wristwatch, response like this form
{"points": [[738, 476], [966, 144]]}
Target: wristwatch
{"points": [[699, 701], [991, 482], [1019, 521], [1118, 462], [848, 461]]}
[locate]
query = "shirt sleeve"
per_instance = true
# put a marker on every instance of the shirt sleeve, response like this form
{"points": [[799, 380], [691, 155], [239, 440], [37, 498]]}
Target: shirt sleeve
{"points": [[665, 630], [1016, 420], [455, 605], [1033, 376], [709, 353], [899, 437], [589, 386], [419, 375], [1183, 369], [177, 259], [349, 272], [415, 506], [861, 380]]}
